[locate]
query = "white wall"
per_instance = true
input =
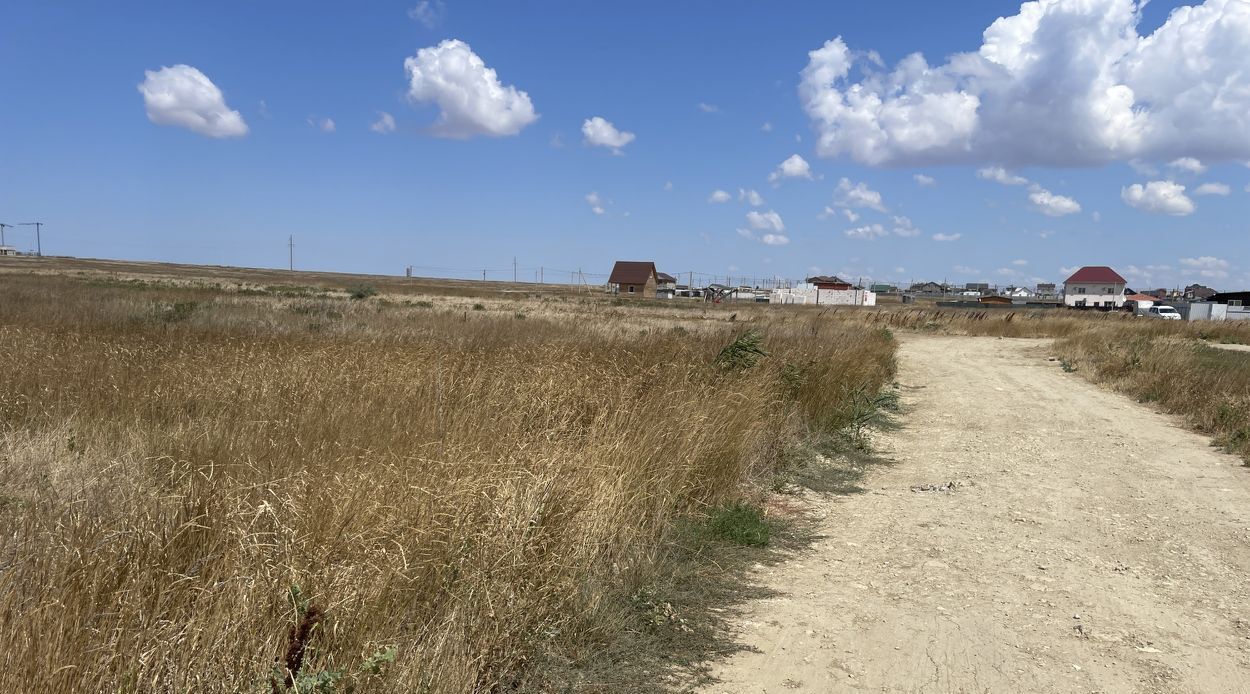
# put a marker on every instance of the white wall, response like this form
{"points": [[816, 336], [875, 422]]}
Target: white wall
{"points": [[823, 297], [1095, 292]]}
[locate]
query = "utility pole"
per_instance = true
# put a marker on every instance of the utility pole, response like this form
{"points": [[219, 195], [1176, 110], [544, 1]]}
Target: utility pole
{"points": [[38, 240], [290, 247], [2, 226], [483, 275], [540, 274], [514, 269]]}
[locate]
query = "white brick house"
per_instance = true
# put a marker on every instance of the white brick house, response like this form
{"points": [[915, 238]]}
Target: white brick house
{"points": [[1094, 286]]}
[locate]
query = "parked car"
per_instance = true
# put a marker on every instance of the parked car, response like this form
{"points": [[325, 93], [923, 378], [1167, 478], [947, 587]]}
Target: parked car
{"points": [[1164, 312]]}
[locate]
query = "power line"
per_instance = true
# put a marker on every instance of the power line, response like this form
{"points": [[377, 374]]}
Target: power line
{"points": [[38, 236]]}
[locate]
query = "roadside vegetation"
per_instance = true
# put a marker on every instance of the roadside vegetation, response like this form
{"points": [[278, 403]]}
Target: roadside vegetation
{"points": [[1207, 386], [223, 487]]}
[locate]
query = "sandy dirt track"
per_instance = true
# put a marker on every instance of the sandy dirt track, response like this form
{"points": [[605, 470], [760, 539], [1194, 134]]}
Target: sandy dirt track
{"points": [[1092, 545]]}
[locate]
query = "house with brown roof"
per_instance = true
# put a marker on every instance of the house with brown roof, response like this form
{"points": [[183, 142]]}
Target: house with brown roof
{"points": [[826, 282], [633, 278], [1094, 286]]}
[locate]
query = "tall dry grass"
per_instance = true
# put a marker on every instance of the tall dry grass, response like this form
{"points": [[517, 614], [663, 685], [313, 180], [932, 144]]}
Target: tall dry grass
{"points": [[474, 488]]}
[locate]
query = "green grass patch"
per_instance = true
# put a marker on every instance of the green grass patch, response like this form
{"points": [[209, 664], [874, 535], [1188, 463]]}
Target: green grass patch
{"points": [[740, 523]]}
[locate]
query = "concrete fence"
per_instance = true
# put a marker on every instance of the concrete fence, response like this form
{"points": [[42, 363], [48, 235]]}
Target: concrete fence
{"points": [[823, 297]]}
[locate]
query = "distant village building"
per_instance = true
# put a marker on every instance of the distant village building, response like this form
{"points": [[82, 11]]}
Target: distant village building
{"points": [[883, 288], [1094, 286], [8, 250], [633, 278], [927, 288], [995, 299], [981, 287], [827, 282], [1198, 292], [1018, 292], [1046, 289], [1139, 302], [665, 280]]}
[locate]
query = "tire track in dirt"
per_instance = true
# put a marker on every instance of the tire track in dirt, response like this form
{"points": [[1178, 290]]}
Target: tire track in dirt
{"points": [[1092, 545]]}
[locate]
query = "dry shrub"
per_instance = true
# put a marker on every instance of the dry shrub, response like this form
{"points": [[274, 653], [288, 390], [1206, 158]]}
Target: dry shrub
{"points": [[469, 488]]}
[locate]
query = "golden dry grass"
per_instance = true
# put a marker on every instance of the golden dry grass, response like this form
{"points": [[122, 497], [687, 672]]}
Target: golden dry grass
{"points": [[476, 488]]}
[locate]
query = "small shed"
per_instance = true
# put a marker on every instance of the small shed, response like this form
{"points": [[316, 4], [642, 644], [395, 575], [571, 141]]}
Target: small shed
{"points": [[633, 278], [8, 250], [1138, 302], [995, 299]]}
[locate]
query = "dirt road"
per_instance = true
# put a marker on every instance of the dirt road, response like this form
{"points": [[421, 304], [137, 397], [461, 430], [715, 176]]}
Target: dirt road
{"points": [[1092, 545]]}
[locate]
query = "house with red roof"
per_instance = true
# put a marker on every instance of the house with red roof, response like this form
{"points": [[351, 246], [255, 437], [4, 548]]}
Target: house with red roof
{"points": [[1094, 286]]}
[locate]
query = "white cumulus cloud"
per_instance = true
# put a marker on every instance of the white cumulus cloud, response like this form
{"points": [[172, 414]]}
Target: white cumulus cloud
{"points": [[947, 237], [471, 99], [1060, 83], [1207, 266], [595, 201], [1159, 197], [765, 221], [1188, 164], [867, 232], [751, 197], [1000, 175], [771, 238], [428, 12], [183, 96], [719, 196], [924, 181], [1212, 189], [903, 227], [600, 132], [384, 124], [1050, 204], [793, 167], [857, 195]]}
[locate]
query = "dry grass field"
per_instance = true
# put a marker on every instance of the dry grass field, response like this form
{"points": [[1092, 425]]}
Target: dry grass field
{"points": [[237, 483], [234, 480]]}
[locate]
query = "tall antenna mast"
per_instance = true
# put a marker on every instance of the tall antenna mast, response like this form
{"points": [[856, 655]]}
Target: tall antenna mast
{"points": [[2, 226], [290, 247]]}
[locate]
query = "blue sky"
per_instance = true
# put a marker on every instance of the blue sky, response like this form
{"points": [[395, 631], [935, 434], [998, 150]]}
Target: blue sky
{"points": [[1032, 137]]}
